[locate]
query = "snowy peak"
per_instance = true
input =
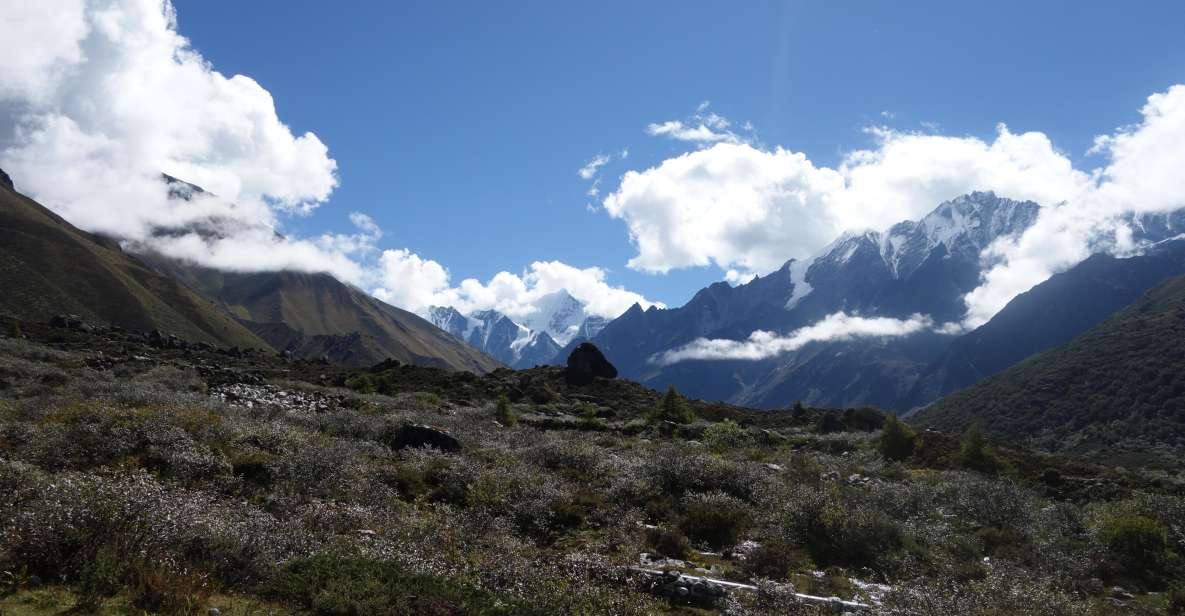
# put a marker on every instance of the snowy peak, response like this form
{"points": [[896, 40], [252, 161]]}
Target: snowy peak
{"points": [[963, 226], [559, 314], [535, 338]]}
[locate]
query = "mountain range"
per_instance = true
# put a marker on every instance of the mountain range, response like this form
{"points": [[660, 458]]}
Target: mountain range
{"points": [[533, 339], [922, 267]]}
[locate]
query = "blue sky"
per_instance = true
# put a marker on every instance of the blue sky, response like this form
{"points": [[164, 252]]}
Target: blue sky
{"points": [[459, 126]]}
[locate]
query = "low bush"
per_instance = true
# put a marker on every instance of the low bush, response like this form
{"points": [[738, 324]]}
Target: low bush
{"points": [[715, 519], [1136, 548]]}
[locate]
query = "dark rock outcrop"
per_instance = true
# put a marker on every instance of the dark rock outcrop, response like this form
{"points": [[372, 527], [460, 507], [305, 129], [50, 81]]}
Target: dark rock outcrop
{"points": [[587, 363], [5, 180], [419, 436]]}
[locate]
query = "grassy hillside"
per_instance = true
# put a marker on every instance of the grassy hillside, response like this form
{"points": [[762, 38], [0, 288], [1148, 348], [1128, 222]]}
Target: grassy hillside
{"points": [[49, 267], [1116, 392], [315, 315]]}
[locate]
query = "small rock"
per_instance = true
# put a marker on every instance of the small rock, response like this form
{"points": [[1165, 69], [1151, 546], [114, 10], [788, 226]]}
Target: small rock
{"points": [[214, 612]]}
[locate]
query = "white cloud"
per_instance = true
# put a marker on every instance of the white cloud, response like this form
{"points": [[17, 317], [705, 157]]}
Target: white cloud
{"points": [[99, 97], [676, 129], [590, 168], [740, 207], [764, 344], [703, 127], [407, 280]]}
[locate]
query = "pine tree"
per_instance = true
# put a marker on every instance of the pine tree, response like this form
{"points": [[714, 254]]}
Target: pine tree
{"points": [[975, 453], [504, 413], [674, 408], [897, 439]]}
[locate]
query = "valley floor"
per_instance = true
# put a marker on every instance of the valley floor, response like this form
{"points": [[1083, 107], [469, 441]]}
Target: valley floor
{"points": [[144, 478]]}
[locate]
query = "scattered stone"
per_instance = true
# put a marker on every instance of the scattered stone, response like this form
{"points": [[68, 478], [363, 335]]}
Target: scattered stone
{"points": [[1120, 593], [773, 467], [587, 363], [419, 436], [694, 591], [830, 476], [214, 612]]}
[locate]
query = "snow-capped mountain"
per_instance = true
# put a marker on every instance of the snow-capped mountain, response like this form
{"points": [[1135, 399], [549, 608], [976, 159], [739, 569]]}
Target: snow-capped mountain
{"points": [[559, 314], [922, 266], [533, 339]]}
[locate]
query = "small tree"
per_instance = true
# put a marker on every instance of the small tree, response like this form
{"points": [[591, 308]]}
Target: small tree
{"points": [[504, 413], [798, 411], [897, 440], [674, 408], [975, 453], [14, 329]]}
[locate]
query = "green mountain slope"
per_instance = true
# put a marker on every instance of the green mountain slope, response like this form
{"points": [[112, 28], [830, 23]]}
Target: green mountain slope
{"points": [[315, 315], [48, 267], [1117, 392]]}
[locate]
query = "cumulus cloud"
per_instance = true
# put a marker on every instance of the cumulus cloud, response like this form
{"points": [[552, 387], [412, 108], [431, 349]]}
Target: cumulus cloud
{"points": [[747, 209], [835, 327], [99, 97], [414, 283]]}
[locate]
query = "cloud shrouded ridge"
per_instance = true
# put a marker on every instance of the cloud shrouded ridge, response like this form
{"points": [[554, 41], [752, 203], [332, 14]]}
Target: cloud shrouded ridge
{"points": [[107, 95], [836, 327], [165, 109], [415, 283], [743, 208]]}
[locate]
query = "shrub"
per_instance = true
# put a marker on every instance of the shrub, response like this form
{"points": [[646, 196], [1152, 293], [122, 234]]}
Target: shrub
{"points": [[864, 419], [897, 440], [829, 422], [774, 560], [1136, 546], [852, 536], [504, 413], [674, 408], [715, 519], [669, 543], [725, 435]]}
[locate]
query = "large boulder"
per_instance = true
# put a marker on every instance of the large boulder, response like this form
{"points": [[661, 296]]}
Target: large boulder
{"points": [[587, 363], [418, 436]]}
